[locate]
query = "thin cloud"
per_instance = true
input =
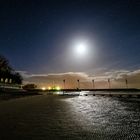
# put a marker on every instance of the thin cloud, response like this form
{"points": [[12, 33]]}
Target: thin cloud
{"points": [[117, 79]]}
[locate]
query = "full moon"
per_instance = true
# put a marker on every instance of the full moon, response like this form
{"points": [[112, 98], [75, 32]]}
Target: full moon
{"points": [[81, 48], [81, 51]]}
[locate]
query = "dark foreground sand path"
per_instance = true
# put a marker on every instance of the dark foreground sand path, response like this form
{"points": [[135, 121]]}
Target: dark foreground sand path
{"points": [[46, 117]]}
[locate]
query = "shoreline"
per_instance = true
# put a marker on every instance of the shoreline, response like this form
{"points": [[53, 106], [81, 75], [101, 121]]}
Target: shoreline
{"points": [[8, 94], [4, 95]]}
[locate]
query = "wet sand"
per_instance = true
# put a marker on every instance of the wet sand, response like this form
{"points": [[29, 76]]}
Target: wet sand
{"points": [[46, 117]]}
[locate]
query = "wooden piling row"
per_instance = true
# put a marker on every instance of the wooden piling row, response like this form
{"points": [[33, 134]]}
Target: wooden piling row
{"points": [[117, 95]]}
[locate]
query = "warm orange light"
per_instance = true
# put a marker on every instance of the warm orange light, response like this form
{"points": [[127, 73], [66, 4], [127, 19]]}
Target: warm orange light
{"points": [[43, 88], [49, 88], [58, 88]]}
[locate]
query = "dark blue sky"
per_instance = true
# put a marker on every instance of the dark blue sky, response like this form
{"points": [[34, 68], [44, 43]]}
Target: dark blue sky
{"points": [[35, 35]]}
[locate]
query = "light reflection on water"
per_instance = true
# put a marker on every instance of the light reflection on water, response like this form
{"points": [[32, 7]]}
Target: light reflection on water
{"points": [[107, 114], [70, 117]]}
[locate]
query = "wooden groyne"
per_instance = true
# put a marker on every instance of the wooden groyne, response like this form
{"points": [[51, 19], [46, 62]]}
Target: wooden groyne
{"points": [[128, 93], [105, 90]]}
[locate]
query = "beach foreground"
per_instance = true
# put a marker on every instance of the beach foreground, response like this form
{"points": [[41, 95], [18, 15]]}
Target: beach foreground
{"points": [[66, 117]]}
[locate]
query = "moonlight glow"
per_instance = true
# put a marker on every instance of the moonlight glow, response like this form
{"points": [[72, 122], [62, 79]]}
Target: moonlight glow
{"points": [[81, 48]]}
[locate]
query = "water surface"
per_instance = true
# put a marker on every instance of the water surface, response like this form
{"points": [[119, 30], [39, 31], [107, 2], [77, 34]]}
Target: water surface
{"points": [[61, 117]]}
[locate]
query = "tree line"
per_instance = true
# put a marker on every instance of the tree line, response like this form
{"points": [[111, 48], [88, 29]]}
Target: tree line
{"points": [[7, 73]]}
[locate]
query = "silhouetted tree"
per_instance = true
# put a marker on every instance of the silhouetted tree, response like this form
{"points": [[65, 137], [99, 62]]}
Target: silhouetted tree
{"points": [[29, 86], [17, 78], [7, 73], [4, 65]]}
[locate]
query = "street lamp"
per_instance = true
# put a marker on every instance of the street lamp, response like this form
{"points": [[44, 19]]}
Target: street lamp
{"points": [[109, 83], [64, 84], [126, 82], [93, 84], [78, 82]]}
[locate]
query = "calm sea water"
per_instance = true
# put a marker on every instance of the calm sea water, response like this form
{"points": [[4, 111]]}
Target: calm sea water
{"points": [[53, 117]]}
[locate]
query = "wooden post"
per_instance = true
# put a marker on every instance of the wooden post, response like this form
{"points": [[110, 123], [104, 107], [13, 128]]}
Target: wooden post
{"points": [[126, 82], [109, 83], [64, 84], [93, 84], [78, 82]]}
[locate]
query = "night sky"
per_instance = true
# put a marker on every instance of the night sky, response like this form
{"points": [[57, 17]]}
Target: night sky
{"points": [[37, 35]]}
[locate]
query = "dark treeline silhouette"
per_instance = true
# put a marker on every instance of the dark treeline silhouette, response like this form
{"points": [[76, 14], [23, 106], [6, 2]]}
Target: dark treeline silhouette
{"points": [[7, 73], [29, 86]]}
